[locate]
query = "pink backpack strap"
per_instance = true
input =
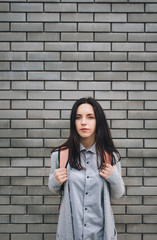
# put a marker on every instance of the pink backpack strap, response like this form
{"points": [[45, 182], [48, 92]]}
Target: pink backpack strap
{"points": [[108, 158], [64, 156]]}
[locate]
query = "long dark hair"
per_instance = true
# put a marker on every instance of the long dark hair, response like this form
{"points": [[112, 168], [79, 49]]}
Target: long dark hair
{"points": [[103, 139]]}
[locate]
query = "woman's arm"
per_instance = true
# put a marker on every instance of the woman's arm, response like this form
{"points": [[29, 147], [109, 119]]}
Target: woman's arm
{"points": [[53, 184]]}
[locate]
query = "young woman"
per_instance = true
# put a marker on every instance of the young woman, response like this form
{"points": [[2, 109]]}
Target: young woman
{"points": [[93, 174]]}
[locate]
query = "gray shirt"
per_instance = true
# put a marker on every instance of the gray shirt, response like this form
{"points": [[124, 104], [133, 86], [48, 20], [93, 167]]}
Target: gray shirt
{"points": [[86, 196]]}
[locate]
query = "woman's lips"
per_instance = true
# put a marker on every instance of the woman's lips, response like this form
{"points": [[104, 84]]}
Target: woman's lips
{"points": [[84, 129]]}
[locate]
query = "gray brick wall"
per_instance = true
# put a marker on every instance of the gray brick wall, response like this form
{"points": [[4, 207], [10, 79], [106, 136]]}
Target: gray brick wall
{"points": [[51, 53]]}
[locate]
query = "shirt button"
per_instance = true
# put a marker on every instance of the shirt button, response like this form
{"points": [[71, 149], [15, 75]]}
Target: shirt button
{"points": [[86, 193], [85, 225], [87, 176], [85, 208], [87, 162]]}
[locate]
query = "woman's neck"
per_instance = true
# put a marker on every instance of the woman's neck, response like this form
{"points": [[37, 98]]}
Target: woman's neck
{"points": [[87, 143]]}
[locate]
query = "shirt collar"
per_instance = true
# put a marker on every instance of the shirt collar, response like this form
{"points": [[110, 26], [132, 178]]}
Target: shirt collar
{"points": [[91, 149]]}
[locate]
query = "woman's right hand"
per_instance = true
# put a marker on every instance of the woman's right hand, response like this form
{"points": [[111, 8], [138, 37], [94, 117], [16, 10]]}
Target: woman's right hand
{"points": [[60, 175]]}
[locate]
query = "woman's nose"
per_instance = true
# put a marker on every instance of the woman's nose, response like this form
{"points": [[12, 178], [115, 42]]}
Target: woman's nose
{"points": [[83, 121]]}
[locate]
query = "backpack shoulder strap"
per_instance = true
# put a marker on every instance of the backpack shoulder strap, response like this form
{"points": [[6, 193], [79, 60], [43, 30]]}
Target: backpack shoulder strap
{"points": [[63, 158], [108, 158]]}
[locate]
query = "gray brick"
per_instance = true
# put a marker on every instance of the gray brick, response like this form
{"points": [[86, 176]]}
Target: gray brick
{"points": [[43, 17], [143, 76], [148, 172], [58, 104], [13, 56], [151, 104], [151, 27], [94, 27], [4, 123], [4, 66], [142, 153], [12, 75], [4, 219], [39, 190], [61, 27], [62, 46], [60, 85], [142, 37], [75, 94], [43, 36], [4, 46], [110, 17], [130, 200], [127, 66], [150, 181], [115, 114], [9, 17], [94, 46], [27, 162], [4, 7], [26, 7], [44, 133], [141, 191], [12, 37], [13, 190], [144, 17], [4, 85], [26, 66], [151, 7], [150, 143], [26, 219], [128, 27], [127, 86], [151, 47], [4, 104], [4, 199], [43, 114], [151, 66], [111, 95], [77, 37], [27, 124], [110, 76], [26, 236], [150, 123], [51, 219], [94, 86], [4, 236], [126, 143], [26, 143], [149, 236], [142, 133], [76, 17], [142, 228], [27, 181], [111, 37], [128, 219], [57, 124], [129, 236], [39, 152], [12, 209], [94, 66], [43, 95], [12, 114], [13, 228], [128, 46], [8, 133], [26, 27], [47, 228], [61, 66], [53, 143], [5, 162], [143, 95], [4, 181], [27, 85], [4, 27], [127, 105], [128, 8], [43, 75], [110, 56], [77, 76], [94, 7], [150, 200], [133, 181], [60, 7], [142, 56], [4, 143], [26, 200], [127, 124], [44, 56], [77, 56]]}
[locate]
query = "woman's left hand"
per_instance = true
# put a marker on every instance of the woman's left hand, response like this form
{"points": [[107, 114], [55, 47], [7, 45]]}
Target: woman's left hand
{"points": [[107, 171]]}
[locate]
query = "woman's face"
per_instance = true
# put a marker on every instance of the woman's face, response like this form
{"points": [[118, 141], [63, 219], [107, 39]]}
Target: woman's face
{"points": [[85, 122]]}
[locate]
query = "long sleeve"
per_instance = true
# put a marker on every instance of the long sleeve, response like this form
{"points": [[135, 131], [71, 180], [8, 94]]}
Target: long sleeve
{"points": [[53, 184], [116, 182]]}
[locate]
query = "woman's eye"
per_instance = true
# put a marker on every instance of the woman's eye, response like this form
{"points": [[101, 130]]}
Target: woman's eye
{"points": [[77, 117]]}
